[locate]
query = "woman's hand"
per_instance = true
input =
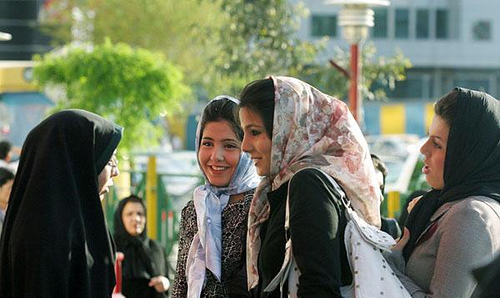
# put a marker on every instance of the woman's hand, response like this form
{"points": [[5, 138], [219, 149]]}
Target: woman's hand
{"points": [[160, 283], [401, 242]]}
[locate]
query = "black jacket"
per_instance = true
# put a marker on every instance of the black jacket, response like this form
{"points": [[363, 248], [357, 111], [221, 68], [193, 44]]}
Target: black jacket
{"points": [[317, 224], [55, 242]]}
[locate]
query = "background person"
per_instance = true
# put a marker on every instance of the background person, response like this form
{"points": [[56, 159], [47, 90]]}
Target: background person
{"points": [[6, 153], [389, 225], [211, 258], [145, 265], [55, 242], [6, 181], [453, 227], [293, 130]]}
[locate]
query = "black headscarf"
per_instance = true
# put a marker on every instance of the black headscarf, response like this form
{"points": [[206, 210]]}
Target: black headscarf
{"points": [[144, 258], [55, 241], [472, 162]]}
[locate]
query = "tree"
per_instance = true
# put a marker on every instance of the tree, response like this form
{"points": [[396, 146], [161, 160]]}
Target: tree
{"points": [[186, 32], [132, 87], [379, 73], [260, 39], [224, 44]]}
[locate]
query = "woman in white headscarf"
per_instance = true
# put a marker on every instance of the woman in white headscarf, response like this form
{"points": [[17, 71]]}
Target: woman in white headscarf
{"points": [[296, 136], [211, 257]]}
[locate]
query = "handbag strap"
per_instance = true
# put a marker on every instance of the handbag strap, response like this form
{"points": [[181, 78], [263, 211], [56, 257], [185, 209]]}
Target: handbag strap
{"points": [[336, 188], [282, 275]]}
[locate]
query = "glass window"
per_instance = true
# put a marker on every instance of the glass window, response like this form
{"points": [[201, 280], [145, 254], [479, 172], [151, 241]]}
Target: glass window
{"points": [[409, 88], [442, 24], [380, 28], [402, 23], [481, 30], [324, 25], [481, 85], [422, 23]]}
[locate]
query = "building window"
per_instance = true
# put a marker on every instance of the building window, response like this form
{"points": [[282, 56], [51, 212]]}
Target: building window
{"points": [[422, 23], [442, 24], [380, 28], [402, 23], [409, 88], [481, 30], [481, 85], [324, 25]]}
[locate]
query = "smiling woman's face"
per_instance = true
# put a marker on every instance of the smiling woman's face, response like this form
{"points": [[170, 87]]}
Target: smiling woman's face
{"points": [[219, 152], [256, 141]]}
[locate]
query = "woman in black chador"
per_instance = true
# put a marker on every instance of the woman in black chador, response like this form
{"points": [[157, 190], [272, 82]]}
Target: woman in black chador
{"points": [[145, 264], [55, 241]]}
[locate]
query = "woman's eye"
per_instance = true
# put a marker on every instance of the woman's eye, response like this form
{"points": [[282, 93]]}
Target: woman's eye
{"points": [[232, 146], [255, 132], [436, 145], [206, 144]]}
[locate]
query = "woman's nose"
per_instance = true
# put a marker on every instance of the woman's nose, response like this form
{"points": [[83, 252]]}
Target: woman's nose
{"points": [[245, 144], [423, 149], [218, 153], [116, 172]]}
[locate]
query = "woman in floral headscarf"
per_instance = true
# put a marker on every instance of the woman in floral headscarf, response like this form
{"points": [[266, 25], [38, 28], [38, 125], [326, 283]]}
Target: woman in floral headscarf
{"points": [[211, 258], [295, 134]]}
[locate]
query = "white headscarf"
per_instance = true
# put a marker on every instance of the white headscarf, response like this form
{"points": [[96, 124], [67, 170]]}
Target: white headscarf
{"points": [[209, 202]]}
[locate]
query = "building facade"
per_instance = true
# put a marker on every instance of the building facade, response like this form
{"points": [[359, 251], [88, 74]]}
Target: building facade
{"points": [[449, 42], [20, 19]]}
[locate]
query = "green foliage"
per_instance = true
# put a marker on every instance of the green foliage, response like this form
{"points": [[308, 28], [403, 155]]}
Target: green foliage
{"points": [[378, 75], [187, 32], [260, 40], [225, 44], [131, 87]]}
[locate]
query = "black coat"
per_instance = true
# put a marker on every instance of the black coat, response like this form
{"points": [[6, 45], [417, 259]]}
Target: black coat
{"points": [[144, 258], [55, 242]]}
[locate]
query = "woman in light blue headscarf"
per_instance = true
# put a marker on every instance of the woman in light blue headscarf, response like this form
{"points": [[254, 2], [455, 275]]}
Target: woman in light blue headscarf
{"points": [[212, 237]]}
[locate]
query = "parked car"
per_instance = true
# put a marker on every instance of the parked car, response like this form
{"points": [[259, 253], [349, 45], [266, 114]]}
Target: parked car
{"points": [[401, 154], [392, 145]]}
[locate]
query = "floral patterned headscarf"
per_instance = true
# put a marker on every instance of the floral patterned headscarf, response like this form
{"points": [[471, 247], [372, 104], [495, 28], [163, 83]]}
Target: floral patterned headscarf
{"points": [[312, 129]]}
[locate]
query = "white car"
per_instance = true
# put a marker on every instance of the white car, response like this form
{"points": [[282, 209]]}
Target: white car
{"points": [[400, 153], [392, 145]]}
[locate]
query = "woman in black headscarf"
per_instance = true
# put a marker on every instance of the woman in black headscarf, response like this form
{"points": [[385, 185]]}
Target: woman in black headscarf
{"points": [[456, 224], [55, 241], [145, 264]]}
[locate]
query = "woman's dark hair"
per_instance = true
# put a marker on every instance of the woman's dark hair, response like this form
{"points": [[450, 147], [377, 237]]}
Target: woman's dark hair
{"points": [[258, 96], [5, 176], [446, 107], [381, 167], [222, 109]]}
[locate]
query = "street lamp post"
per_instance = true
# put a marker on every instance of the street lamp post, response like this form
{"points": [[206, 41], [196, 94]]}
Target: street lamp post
{"points": [[356, 18], [5, 36]]}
